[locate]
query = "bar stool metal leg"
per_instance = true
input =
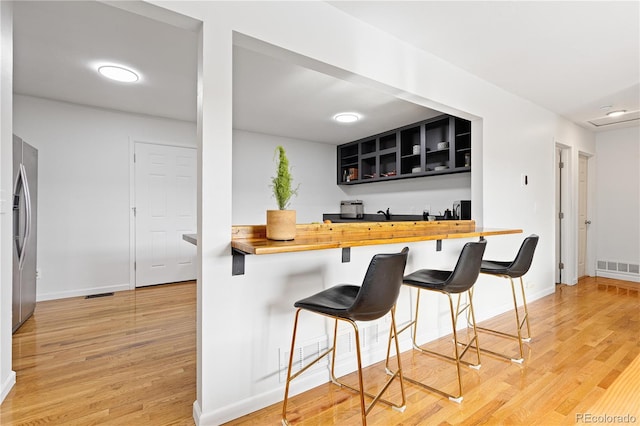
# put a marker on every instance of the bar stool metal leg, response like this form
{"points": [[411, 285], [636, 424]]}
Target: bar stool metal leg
{"points": [[520, 323], [458, 353], [526, 314], [397, 374], [302, 370], [510, 270], [360, 390]]}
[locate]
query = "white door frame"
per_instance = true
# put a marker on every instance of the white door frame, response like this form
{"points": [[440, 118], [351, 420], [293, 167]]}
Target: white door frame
{"points": [[132, 200], [565, 234]]}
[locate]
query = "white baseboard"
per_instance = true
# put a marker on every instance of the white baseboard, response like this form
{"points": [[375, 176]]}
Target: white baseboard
{"points": [[7, 385], [81, 292], [256, 402], [197, 413]]}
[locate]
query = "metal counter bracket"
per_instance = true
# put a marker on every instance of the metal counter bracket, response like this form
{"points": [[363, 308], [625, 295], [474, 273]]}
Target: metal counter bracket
{"points": [[346, 254], [237, 263]]}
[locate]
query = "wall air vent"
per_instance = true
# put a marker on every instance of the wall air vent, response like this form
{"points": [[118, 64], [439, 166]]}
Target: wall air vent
{"points": [[625, 118], [304, 353], [619, 270]]}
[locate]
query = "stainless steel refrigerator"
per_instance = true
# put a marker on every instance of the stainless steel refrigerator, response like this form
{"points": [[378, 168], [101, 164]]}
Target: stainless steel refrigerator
{"points": [[25, 196]]}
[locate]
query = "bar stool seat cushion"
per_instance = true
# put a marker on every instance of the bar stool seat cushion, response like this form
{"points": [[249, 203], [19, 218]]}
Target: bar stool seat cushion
{"points": [[334, 301], [517, 267], [427, 278], [372, 300], [496, 267]]}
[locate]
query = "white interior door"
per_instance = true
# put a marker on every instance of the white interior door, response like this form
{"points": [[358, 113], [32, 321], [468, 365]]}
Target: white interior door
{"points": [[582, 215], [165, 209]]}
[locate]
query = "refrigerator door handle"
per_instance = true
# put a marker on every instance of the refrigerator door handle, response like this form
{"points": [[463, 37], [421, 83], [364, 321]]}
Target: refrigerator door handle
{"points": [[27, 203], [21, 185]]}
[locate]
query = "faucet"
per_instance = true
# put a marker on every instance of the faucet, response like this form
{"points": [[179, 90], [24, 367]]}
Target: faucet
{"points": [[387, 215]]}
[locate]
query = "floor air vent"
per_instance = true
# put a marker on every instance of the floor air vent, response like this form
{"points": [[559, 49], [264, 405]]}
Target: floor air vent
{"points": [[93, 296]]}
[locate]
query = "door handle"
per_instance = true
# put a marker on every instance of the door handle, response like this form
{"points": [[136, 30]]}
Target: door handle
{"points": [[587, 222], [22, 186]]}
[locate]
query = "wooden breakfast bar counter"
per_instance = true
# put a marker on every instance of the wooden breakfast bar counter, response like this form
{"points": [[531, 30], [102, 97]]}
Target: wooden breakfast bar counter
{"points": [[251, 239]]}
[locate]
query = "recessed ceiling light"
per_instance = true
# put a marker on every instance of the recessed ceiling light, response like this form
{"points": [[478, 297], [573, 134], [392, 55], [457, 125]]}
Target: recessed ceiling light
{"points": [[347, 117], [118, 73], [616, 113]]}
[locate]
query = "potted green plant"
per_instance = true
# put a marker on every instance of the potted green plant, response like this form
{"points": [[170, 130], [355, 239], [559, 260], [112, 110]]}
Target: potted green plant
{"points": [[281, 223]]}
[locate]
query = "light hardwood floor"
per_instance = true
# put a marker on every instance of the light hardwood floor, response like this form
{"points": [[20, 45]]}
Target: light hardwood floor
{"points": [[125, 359], [130, 359]]}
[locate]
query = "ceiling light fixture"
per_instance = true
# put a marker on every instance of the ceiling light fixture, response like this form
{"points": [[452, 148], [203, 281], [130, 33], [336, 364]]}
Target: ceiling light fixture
{"points": [[117, 73], [346, 117], [616, 113]]}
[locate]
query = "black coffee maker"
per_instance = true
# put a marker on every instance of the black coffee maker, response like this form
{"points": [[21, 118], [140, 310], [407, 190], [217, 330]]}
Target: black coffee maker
{"points": [[462, 210]]}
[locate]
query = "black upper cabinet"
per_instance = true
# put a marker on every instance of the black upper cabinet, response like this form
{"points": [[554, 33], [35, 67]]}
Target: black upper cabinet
{"points": [[437, 146]]}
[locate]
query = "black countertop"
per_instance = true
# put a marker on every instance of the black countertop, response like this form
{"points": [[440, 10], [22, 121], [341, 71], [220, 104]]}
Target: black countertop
{"points": [[335, 218]]}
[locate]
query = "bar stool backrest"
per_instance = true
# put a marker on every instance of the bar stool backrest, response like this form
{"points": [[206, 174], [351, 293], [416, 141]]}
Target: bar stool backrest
{"points": [[380, 287], [467, 269], [522, 262]]}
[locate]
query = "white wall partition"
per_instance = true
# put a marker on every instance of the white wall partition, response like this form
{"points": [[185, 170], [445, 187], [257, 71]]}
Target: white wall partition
{"points": [[243, 321], [84, 173], [7, 376], [518, 137]]}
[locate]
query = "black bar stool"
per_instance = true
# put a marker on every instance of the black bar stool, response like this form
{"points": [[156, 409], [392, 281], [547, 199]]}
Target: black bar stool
{"points": [[513, 269], [375, 298], [458, 281]]}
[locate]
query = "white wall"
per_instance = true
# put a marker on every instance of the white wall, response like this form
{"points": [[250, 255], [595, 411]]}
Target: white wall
{"points": [[7, 376], [83, 190], [411, 196], [312, 167], [617, 219], [518, 137]]}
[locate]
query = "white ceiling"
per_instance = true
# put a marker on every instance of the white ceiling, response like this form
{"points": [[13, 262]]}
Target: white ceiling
{"points": [[569, 57], [58, 44]]}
